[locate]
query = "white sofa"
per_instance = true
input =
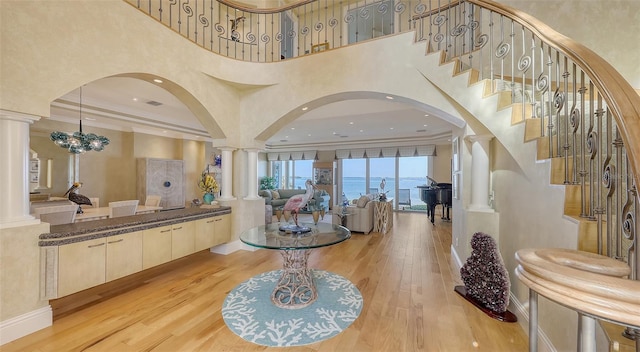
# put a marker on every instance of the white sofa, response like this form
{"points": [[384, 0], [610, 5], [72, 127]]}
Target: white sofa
{"points": [[360, 219]]}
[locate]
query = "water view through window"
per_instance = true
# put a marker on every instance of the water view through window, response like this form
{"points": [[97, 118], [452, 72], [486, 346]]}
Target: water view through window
{"points": [[411, 173]]}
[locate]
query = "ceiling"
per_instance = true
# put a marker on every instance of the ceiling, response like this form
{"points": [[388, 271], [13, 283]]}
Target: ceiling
{"points": [[130, 104]]}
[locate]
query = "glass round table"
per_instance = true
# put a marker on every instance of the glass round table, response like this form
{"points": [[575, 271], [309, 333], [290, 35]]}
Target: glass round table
{"points": [[295, 288]]}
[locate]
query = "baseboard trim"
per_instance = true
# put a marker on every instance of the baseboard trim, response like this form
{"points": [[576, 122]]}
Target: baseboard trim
{"points": [[456, 258], [25, 324]]}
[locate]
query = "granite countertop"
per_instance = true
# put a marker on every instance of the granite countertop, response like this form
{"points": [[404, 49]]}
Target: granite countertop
{"points": [[88, 230]]}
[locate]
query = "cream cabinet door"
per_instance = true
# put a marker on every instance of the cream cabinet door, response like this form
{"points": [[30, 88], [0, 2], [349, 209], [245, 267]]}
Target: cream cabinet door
{"points": [[205, 232], [81, 265], [156, 246], [223, 229], [124, 255], [183, 239]]}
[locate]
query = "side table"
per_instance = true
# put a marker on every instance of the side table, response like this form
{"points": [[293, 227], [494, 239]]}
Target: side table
{"points": [[383, 216], [343, 218]]}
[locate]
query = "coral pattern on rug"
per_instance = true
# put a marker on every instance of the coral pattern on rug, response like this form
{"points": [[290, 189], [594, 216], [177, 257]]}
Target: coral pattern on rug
{"points": [[249, 312]]}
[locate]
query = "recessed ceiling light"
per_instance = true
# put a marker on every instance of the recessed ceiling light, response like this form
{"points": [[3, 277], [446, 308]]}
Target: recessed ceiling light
{"points": [[135, 99], [309, 135], [390, 128], [157, 80], [351, 123], [426, 115], [89, 119], [305, 108], [293, 128], [334, 133], [425, 125], [361, 130], [389, 97]]}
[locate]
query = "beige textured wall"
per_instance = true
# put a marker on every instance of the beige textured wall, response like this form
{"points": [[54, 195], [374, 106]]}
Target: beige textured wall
{"points": [[20, 274], [608, 27]]}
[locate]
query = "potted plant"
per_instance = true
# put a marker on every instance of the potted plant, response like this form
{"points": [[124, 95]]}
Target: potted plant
{"points": [[209, 186], [267, 182]]}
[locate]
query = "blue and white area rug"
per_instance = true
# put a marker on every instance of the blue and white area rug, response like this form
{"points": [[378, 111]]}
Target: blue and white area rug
{"points": [[250, 314]]}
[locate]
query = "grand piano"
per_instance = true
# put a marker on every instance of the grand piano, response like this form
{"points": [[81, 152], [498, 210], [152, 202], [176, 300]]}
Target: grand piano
{"points": [[436, 193]]}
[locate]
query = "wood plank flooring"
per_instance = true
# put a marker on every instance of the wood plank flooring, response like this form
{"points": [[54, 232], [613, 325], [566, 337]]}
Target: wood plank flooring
{"points": [[404, 276]]}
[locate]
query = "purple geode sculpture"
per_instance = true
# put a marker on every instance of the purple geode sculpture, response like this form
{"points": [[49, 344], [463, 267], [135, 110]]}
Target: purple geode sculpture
{"points": [[484, 275]]}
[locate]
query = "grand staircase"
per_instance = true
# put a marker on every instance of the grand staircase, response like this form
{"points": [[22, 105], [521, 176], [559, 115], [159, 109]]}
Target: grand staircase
{"points": [[514, 126]]}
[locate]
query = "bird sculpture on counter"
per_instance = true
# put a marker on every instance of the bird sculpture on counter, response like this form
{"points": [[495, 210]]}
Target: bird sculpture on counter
{"points": [[299, 201], [77, 198]]}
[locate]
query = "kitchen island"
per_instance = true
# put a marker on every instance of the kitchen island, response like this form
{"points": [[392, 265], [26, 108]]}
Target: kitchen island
{"points": [[81, 255]]}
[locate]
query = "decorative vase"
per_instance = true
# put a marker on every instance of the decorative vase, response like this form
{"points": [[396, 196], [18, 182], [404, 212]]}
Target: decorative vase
{"points": [[208, 198]]}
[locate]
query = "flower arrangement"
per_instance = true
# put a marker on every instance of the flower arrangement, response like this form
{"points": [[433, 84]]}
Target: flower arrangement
{"points": [[208, 184]]}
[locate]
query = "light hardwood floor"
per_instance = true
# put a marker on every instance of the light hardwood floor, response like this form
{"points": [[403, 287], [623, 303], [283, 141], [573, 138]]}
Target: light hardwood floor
{"points": [[405, 277]]}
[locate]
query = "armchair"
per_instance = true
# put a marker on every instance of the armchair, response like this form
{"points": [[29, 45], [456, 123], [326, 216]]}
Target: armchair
{"points": [[359, 218]]}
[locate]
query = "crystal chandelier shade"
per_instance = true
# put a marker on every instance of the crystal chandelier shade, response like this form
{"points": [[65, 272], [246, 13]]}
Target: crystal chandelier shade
{"points": [[78, 142]]}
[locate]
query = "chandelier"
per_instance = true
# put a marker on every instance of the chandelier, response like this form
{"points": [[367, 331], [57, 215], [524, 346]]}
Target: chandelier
{"points": [[78, 142]]}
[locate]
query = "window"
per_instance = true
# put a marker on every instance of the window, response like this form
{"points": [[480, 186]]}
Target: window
{"points": [[291, 174], [363, 175], [380, 168], [412, 172], [354, 178], [302, 171]]}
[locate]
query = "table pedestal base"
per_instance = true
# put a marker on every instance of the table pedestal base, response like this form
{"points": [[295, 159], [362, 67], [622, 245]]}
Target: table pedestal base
{"points": [[295, 288]]}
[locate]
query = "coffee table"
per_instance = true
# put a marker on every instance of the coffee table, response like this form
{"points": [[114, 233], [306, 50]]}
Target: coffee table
{"points": [[295, 289]]}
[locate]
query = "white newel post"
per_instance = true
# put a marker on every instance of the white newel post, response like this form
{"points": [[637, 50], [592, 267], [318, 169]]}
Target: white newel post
{"points": [[14, 180], [227, 173], [252, 171], [480, 172]]}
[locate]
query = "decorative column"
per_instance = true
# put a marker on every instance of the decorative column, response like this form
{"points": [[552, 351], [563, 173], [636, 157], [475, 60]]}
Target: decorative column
{"points": [[227, 173], [14, 180], [480, 172], [252, 171]]}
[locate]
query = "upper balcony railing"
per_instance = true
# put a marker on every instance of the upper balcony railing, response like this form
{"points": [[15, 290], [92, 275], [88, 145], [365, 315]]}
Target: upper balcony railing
{"points": [[587, 111], [267, 35]]}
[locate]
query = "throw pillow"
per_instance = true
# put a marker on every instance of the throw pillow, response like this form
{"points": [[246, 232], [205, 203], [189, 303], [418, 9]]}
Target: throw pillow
{"points": [[362, 202], [275, 194]]}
